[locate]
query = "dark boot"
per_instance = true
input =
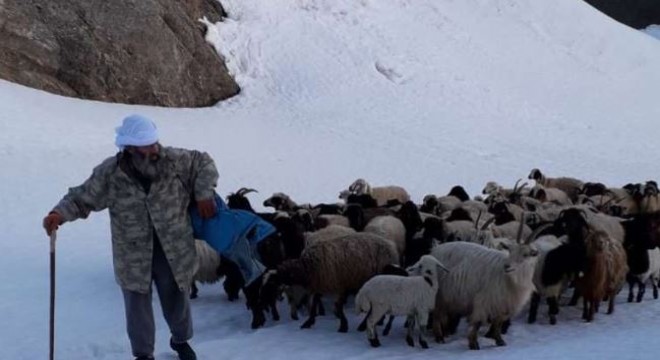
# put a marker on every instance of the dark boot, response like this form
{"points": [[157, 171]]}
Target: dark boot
{"points": [[184, 350]]}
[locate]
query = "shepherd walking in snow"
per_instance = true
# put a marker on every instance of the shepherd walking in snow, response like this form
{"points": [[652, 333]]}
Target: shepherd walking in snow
{"points": [[148, 189]]}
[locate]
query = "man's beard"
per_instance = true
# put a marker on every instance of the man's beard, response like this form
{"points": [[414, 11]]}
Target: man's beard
{"points": [[148, 167]]}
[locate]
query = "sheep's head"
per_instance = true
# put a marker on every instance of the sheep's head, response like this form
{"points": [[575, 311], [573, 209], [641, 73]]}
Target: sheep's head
{"points": [[238, 200], [522, 250], [430, 204], [344, 194], [364, 200], [651, 188], [592, 189], [574, 222], [429, 267], [355, 215], [410, 217], [535, 174], [459, 192], [460, 214], [279, 201], [292, 272], [359, 186], [491, 188]]}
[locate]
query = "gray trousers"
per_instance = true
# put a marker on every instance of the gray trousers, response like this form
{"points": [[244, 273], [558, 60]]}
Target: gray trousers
{"points": [[174, 303]]}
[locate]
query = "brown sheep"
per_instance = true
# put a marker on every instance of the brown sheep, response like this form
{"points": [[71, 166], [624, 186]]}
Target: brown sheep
{"points": [[605, 273]]}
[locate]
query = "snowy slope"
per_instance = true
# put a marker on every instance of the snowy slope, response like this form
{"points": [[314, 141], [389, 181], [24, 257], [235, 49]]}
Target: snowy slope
{"points": [[421, 93]]}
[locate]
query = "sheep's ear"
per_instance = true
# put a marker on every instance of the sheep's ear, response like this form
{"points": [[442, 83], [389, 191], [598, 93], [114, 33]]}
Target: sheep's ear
{"points": [[442, 268]]}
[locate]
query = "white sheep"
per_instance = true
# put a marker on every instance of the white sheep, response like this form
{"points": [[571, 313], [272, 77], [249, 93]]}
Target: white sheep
{"points": [[486, 285], [206, 266], [391, 228], [412, 296], [382, 194]]}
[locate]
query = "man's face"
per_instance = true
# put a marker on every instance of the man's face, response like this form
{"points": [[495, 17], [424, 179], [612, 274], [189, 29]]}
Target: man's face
{"points": [[145, 159], [151, 152]]}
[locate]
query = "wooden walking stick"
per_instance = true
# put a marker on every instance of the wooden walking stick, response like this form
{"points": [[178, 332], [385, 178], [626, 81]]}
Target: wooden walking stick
{"points": [[52, 294]]}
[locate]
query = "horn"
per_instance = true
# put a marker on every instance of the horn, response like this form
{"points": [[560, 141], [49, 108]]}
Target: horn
{"points": [[515, 187], [520, 228], [537, 231], [476, 223], [242, 191], [490, 221]]}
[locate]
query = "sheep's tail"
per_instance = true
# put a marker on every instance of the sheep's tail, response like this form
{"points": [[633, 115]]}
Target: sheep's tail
{"points": [[362, 304]]}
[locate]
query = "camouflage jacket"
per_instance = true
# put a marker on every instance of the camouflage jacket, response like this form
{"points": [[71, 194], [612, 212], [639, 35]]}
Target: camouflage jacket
{"points": [[135, 214]]}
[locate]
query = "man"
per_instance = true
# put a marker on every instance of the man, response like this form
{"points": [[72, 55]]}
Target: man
{"points": [[148, 189]]}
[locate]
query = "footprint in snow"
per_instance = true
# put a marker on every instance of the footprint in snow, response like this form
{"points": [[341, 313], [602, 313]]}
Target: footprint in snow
{"points": [[390, 73]]}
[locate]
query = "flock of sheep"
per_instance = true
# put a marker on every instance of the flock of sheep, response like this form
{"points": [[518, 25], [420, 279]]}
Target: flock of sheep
{"points": [[450, 257]]}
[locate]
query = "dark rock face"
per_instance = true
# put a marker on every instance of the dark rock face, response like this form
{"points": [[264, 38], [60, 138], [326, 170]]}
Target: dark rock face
{"points": [[635, 13], [129, 51]]}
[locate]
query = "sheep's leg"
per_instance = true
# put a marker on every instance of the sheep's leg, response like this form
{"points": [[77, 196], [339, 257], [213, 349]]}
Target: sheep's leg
{"points": [[610, 305], [641, 291], [585, 309], [339, 308], [654, 283], [372, 334], [193, 290], [321, 307], [437, 326], [381, 321], [533, 308], [253, 302], [452, 324], [412, 323], [388, 326], [553, 309], [363, 324], [497, 332], [575, 297], [473, 334], [505, 326], [312, 312], [422, 319], [273, 310], [631, 286]]}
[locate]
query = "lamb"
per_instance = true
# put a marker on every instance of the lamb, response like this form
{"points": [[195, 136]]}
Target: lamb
{"points": [[339, 267], [643, 257], [485, 285], [412, 296], [605, 274], [206, 267], [642, 273], [382, 194], [570, 186], [551, 292]]}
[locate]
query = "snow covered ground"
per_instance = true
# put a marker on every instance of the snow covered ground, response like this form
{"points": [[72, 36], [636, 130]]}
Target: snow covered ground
{"points": [[653, 30], [421, 93]]}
